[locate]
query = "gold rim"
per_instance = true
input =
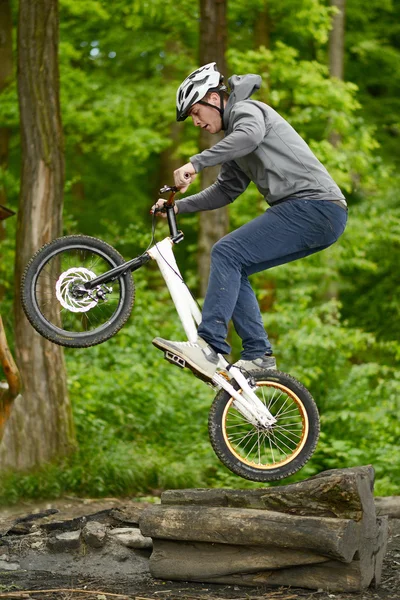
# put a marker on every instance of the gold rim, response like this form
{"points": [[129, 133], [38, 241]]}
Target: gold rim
{"points": [[272, 448]]}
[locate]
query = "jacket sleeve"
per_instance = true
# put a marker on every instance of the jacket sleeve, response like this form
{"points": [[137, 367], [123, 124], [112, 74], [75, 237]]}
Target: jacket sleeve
{"points": [[231, 182], [248, 131]]}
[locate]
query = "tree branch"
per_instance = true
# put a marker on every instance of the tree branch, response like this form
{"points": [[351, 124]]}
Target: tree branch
{"points": [[9, 392]]}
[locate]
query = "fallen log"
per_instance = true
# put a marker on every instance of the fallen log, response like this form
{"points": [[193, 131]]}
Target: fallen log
{"points": [[388, 505], [333, 576], [190, 561], [380, 548], [335, 538], [342, 493]]}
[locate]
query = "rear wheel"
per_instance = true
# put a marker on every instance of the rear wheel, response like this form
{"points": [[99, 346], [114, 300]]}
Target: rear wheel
{"points": [[266, 454], [55, 301]]}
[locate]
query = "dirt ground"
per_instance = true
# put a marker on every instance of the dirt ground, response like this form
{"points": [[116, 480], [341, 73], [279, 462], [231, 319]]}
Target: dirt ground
{"points": [[63, 581]]}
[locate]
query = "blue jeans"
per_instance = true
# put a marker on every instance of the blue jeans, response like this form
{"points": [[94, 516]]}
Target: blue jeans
{"points": [[286, 232]]}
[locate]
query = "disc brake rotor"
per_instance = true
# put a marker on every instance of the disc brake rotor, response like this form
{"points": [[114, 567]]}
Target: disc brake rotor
{"points": [[64, 287]]}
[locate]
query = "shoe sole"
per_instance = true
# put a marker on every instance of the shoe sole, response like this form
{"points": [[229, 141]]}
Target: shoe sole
{"points": [[178, 361]]}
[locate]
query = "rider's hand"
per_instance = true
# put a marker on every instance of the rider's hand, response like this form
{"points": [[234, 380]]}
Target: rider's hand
{"points": [[184, 176], [159, 205]]}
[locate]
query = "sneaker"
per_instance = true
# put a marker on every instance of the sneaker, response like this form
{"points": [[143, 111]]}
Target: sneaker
{"points": [[258, 364], [197, 356]]}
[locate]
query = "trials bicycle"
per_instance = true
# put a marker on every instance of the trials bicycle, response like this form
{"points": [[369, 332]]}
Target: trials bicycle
{"points": [[77, 291]]}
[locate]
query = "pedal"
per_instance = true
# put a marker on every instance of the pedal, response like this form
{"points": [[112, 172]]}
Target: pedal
{"points": [[174, 359]]}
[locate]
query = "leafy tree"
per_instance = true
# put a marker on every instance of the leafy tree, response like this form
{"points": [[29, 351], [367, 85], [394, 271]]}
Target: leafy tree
{"points": [[39, 221], [120, 64]]}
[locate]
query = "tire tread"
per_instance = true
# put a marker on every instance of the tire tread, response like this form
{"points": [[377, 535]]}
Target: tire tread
{"points": [[46, 331]]}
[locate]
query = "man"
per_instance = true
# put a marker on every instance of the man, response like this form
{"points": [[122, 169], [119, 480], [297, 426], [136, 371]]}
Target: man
{"points": [[307, 211]]}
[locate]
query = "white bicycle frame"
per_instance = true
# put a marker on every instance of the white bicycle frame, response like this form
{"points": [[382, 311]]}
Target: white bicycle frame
{"points": [[245, 400]]}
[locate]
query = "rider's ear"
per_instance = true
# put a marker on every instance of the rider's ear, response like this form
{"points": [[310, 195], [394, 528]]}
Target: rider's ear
{"points": [[214, 97]]}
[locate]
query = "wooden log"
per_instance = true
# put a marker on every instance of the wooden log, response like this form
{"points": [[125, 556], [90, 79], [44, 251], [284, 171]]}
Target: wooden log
{"points": [[332, 576], [235, 565], [388, 505], [380, 548], [335, 538], [365, 470], [343, 493], [189, 561]]}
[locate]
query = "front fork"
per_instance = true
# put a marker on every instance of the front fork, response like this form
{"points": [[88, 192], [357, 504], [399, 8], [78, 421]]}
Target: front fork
{"points": [[245, 400]]}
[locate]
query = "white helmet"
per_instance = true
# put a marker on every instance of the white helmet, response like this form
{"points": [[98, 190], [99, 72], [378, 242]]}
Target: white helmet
{"points": [[196, 86]]}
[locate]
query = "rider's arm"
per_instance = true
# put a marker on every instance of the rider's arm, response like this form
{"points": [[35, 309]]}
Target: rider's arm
{"points": [[248, 131], [231, 182]]}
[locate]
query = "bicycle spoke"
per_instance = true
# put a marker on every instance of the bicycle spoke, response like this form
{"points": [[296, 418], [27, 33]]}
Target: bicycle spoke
{"points": [[87, 318], [268, 448]]}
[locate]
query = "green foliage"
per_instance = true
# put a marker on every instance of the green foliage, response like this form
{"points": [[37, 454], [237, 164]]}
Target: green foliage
{"points": [[316, 106], [333, 317], [369, 271], [372, 59]]}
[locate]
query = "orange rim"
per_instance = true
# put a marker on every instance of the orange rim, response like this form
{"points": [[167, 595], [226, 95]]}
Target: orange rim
{"points": [[273, 448]]}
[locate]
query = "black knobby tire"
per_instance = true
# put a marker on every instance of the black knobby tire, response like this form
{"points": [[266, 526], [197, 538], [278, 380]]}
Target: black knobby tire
{"points": [[43, 308], [266, 455]]}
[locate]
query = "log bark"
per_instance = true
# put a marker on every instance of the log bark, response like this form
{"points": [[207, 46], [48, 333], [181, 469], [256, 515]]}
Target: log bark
{"points": [[343, 493], [388, 505], [178, 560], [380, 548], [335, 538], [333, 576]]}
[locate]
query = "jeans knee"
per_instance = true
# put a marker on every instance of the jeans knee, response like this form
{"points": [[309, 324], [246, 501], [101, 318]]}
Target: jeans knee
{"points": [[220, 249]]}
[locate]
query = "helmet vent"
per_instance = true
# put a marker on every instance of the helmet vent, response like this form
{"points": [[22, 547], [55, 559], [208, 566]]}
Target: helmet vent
{"points": [[195, 87], [189, 89]]}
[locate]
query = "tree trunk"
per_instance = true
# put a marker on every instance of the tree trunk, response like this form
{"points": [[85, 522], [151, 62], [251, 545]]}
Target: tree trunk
{"points": [[336, 69], [213, 224], [336, 40], [169, 161], [40, 427], [262, 28], [336, 52], [6, 71]]}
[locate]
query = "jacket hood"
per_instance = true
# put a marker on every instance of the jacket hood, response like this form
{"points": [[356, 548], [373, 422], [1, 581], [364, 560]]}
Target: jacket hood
{"points": [[242, 87]]}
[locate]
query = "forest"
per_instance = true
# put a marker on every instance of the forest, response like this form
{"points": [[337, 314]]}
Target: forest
{"points": [[87, 114]]}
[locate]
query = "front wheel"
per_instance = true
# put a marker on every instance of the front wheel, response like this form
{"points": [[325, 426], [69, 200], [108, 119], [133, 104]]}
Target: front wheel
{"points": [[54, 298], [266, 454]]}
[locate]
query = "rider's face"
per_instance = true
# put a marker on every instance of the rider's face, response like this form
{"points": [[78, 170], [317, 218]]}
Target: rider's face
{"points": [[206, 117]]}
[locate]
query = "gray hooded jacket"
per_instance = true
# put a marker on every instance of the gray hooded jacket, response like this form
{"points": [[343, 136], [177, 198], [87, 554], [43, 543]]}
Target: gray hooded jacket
{"points": [[259, 146]]}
